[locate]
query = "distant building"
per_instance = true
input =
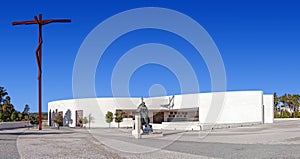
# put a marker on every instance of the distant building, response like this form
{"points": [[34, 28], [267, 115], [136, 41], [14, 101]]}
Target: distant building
{"points": [[181, 112]]}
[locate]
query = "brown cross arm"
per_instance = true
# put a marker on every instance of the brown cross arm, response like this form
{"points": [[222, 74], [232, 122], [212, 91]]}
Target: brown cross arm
{"points": [[24, 22], [56, 21], [43, 22]]}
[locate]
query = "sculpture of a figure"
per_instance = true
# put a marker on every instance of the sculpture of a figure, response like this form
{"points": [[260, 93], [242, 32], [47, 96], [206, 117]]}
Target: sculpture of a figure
{"points": [[143, 110], [67, 118], [145, 120], [53, 115]]}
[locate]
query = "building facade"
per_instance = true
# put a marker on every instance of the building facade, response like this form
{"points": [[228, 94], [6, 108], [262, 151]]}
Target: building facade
{"points": [[182, 112]]}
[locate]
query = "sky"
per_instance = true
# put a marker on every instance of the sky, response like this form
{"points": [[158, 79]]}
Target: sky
{"points": [[257, 40]]}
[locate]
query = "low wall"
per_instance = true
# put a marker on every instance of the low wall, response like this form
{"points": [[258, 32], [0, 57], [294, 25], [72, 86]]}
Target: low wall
{"points": [[126, 123], [180, 126], [196, 126], [11, 125], [285, 119], [228, 125]]}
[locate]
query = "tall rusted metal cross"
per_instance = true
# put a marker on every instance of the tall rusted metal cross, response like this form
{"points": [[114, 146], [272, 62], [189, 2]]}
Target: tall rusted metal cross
{"points": [[38, 52]]}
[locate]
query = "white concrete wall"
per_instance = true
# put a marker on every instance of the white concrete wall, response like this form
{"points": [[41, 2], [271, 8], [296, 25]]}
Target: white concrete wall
{"points": [[63, 105], [220, 107], [268, 101], [224, 107], [237, 107], [98, 107]]}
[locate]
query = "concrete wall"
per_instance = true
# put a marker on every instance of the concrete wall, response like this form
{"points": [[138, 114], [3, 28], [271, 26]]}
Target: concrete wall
{"points": [[238, 107], [11, 125], [219, 107], [98, 107], [224, 107], [268, 101]]}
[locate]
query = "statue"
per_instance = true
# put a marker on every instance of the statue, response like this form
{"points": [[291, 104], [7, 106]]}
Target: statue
{"points": [[143, 110]]}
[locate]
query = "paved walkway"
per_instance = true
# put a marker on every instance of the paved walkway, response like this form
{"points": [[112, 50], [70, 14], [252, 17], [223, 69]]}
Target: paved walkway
{"points": [[65, 143], [8, 143], [278, 140]]}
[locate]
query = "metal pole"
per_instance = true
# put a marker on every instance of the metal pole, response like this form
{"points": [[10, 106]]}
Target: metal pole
{"points": [[40, 73]]}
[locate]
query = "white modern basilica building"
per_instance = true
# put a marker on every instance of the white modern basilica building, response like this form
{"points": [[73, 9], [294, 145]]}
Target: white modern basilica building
{"points": [[181, 112]]}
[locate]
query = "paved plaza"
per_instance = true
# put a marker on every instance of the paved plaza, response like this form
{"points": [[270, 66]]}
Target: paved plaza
{"points": [[278, 140]]}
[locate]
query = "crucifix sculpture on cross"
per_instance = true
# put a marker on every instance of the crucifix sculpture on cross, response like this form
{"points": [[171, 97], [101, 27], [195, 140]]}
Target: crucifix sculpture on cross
{"points": [[38, 52]]}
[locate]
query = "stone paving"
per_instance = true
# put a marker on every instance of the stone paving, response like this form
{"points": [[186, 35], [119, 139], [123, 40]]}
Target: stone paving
{"points": [[8, 143], [64, 143], [278, 140]]}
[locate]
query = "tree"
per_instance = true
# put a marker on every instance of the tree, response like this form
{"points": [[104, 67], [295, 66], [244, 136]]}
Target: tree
{"points": [[26, 110], [33, 119], [284, 99], [290, 101], [295, 102], [7, 109], [109, 117], [26, 118], [80, 122], [13, 116], [20, 116], [58, 120], [1, 116], [276, 100], [3, 93], [119, 117], [83, 120]]}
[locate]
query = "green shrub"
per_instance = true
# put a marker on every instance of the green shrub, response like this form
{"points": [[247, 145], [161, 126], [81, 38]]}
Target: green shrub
{"points": [[285, 114], [85, 120], [33, 119], [297, 114], [58, 120], [276, 115]]}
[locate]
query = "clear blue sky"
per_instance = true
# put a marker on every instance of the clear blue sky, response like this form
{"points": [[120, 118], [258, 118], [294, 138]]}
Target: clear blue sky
{"points": [[259, 42]]}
